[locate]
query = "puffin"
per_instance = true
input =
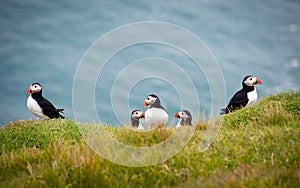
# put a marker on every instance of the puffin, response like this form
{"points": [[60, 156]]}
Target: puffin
{"points": [[185, 118], [155, 115], [247, 96], [39, 106], [135, 117]]}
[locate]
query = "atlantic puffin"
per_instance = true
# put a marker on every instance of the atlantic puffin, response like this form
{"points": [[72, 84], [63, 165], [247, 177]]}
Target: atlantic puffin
{"points": [[135, 117], [39, 106], [155, 115], [247, 96], [185, 118]]}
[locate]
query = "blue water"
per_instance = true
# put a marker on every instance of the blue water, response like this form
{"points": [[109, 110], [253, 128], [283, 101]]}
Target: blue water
{"points": [[44, 41]]}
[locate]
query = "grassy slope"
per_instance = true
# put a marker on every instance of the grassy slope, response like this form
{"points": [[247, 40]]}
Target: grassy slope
{"points": [[256, 146]]}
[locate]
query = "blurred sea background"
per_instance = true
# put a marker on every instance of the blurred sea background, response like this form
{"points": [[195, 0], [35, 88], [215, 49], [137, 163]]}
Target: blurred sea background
{"points": [[44, 41]]}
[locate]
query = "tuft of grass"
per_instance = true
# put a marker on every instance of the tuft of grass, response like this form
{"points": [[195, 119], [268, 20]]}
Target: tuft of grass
{"points": [[37, 134], [137, 138], [257, 146]]}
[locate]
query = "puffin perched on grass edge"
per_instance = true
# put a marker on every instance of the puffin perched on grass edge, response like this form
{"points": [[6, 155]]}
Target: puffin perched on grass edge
{"points": [[135, 117], [39, 106], [155, 115], [185, 118], [245, 97]]}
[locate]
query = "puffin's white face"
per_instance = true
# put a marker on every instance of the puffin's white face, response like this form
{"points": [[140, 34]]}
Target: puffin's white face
{"points": [[149, 101], [181, 115], [137, 114], [34, 88], [252, 80]]}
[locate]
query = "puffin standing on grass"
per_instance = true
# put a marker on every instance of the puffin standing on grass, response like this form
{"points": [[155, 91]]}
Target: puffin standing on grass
{"points": [[39, 106], [136, 115], [185, 118], [155, 115], [247, 96]]}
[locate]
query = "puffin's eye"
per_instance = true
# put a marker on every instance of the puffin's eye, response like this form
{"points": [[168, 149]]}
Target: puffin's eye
{"points": [[251, 79]]}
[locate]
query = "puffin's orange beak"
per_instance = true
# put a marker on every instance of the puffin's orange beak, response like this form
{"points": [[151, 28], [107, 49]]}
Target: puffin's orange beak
{"points": [[176, 115], [28, 91], [258, 81], [145, 104], [143, 115]]}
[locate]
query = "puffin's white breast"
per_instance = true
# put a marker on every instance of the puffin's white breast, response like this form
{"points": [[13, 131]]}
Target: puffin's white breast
{"points": [[156, 116], [178, 124], [140, 127], [34, 108], [252, 96]]}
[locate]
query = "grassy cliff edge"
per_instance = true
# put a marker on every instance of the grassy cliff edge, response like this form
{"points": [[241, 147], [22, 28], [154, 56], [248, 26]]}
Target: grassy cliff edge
{"points": [[257, 146]]}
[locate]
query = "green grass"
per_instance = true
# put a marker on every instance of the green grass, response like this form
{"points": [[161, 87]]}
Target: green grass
{"points": [[256, 147]]}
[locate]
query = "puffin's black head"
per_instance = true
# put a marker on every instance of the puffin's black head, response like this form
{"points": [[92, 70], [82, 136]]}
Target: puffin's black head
{"points": [[152, 95], [150, 100], [137, 114], [187, 113], [250, 81], [34, 88], [184, 114]]}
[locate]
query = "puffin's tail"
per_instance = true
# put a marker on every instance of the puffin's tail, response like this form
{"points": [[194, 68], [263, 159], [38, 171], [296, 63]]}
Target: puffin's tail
{"points": [[59, 113], [223, 111], [60, 110]]}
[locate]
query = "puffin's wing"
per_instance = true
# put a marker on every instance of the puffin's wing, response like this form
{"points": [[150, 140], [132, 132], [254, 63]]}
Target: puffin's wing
{"points": [[49, 109], [238, 100]]}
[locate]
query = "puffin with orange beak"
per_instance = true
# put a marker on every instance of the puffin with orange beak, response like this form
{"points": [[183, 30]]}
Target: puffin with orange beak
{"points": [[185, 118], [247, 96], [155, 115], [39, 106]]}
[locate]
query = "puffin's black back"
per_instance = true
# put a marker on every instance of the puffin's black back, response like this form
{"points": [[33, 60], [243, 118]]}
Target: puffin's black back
{"points": [[157, 104], [47, 107], [238, 101]]}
